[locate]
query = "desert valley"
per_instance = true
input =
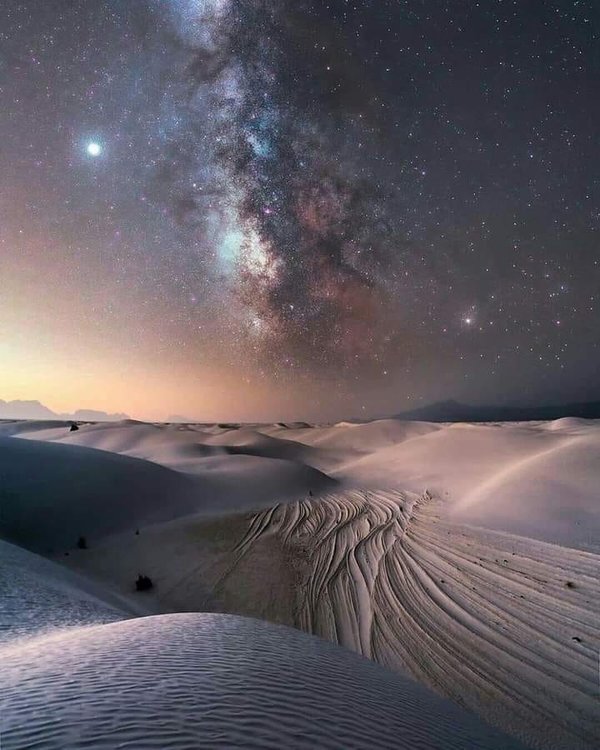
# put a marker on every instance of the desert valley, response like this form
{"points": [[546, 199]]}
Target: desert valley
{"points": [[299, 356], [463, 560]]}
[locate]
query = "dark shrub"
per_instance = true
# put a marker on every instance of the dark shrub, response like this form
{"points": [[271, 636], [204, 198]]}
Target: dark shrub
{"points": [[143, 583]]}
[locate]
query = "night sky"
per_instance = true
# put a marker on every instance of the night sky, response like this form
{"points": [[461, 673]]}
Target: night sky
{"points": [[298, 209]]}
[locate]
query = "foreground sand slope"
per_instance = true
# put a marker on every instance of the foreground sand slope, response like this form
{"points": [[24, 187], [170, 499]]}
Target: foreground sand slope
{"points": [[506, 626], [217, 681]]}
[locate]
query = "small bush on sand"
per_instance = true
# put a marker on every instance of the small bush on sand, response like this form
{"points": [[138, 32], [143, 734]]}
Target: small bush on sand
{"points": [[143, 583]]}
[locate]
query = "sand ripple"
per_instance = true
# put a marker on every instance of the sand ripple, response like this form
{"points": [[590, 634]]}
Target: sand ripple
{"points": [[217, 681], [505, 626]]}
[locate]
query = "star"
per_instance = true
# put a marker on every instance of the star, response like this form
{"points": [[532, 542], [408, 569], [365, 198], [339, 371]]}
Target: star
{"points": [[93, 148]]}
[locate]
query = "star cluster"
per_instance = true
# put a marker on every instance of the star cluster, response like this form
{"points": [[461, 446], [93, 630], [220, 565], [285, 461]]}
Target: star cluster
{"points": [[342, 206]]}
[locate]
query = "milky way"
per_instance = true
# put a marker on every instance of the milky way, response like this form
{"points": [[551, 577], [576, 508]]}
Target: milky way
{"points": [[360, 204], [290, 176]]}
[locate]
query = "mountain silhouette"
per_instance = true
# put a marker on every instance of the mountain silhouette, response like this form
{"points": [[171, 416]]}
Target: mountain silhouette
{"points": [[37, 410], [454, 411]]}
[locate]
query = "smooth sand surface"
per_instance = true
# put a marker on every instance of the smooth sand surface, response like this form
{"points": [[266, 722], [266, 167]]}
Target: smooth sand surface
{"points": [[54, 491]]}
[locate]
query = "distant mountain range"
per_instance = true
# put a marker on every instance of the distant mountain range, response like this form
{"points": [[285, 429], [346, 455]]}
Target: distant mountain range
{"points": [[453, 411], [37, 410], [442, 411]]}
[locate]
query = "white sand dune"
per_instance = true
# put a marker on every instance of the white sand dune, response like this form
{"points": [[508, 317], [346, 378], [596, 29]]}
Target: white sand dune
{"points": [[226, 458], [534, 479], [503, 625], [359, 437], [172, 444], [52, 493], [552, 495], [511, 477], [463, 554], [217, 681], [46, 429]]}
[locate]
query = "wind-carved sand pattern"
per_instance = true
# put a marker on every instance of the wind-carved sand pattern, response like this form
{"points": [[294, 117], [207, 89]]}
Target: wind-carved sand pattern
{"points": [[505, 626], [185, 681]]}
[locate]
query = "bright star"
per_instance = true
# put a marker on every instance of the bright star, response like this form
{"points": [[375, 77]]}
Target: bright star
{"points": [[93, 148]]}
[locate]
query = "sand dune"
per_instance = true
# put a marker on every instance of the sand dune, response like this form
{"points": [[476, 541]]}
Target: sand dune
{"points": [[502, 625], [202, 451], [361, 437], [537, 480], [511, 477], [180, 447], [183, 681], [550, 495], [465, 555], [52, 493]]}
